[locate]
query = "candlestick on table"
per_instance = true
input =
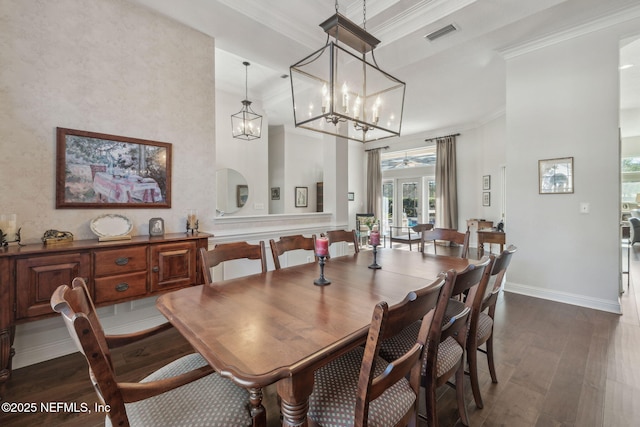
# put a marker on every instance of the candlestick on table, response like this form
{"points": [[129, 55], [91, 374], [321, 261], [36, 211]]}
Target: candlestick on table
{"points": [[322, 250]]}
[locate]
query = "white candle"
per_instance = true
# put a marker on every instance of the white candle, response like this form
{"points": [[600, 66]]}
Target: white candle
{"points": [[8, 225], [192, 218]]}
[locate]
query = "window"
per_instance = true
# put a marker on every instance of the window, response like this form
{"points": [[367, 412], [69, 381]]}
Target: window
{"points": [[630, 180]]}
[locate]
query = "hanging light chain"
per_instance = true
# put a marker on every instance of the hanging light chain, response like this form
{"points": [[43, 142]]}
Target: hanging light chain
{"points": [[246, 80], [364, 15]]}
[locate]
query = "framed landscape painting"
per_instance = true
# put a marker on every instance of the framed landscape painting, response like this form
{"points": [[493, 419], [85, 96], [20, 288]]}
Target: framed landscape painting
{"points": [[96, 170]]}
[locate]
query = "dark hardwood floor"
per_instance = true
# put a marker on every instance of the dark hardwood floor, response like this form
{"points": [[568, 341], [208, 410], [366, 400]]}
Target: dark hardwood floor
{"points": [[557, 364]]}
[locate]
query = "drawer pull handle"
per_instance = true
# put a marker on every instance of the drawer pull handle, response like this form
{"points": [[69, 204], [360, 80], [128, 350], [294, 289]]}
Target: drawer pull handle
{"points": [[155, 269], [122, 287], [122, 261]]}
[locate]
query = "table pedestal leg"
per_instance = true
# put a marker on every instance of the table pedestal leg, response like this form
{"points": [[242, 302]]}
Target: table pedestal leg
{"points": [[294, 395]]}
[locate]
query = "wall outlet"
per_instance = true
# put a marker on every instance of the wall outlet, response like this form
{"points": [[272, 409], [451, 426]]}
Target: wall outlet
{"points": [[258, 206]]}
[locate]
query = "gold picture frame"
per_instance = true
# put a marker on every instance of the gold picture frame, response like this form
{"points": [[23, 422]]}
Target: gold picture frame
{"points": [[555, 176]]}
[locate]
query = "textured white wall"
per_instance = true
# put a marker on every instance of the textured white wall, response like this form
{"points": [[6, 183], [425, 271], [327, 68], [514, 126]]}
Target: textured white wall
{"points": [[562, 101], [110, 67], [113, 68]]}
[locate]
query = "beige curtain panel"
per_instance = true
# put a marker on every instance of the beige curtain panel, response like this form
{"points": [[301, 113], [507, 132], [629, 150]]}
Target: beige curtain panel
{"points": [[446, 183], [374, 183]]}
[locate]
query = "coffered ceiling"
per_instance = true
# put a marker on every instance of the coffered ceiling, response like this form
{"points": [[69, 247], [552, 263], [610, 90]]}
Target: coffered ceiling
{"points": [[454, 82]]}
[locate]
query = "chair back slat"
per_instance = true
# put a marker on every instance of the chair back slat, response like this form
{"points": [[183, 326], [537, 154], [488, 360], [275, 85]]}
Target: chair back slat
{"points": [[335, 236], [447, 235], [291, 243], [228, 252], [498, 273]]}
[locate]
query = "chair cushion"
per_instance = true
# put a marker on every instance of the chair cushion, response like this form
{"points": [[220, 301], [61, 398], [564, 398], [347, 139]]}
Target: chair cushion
{"points": [[449, 354], [333, 400], [449, 351], [210, 401], [485, 326]]}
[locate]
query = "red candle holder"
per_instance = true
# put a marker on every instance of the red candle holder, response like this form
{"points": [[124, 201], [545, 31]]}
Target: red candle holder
{"points": [[321, 281]]}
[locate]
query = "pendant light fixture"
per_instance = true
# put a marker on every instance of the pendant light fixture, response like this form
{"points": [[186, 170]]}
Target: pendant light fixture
{"points": [[246, 124], [341, 93]]}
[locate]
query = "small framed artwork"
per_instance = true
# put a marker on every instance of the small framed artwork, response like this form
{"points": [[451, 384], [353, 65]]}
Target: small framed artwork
{"points": [[242, 194], [486, 198], [351, 196], [486, 182], [275, 193], [555, 176], [301, 197], [156, 227]]}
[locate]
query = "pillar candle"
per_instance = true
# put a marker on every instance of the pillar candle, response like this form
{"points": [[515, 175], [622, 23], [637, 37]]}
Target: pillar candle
{"points": [[322, 246], [192, 217], [374, 238], [8, 225]]}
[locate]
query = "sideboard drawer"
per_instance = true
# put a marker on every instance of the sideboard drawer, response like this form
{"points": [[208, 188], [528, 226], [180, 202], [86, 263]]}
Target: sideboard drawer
{"points": [[121, 287], [119, 261]]}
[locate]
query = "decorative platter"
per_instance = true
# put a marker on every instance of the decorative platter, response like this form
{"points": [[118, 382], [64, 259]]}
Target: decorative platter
{"points": [[111, 225]]}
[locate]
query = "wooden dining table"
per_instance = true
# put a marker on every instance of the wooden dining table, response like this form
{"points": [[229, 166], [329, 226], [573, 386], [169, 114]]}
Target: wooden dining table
{"points": [[278, 327]]}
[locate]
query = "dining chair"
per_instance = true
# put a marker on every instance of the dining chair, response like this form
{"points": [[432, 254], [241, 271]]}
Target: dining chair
{"points": [[228, 252], [412, 235], [336, 236], [446, 360], [184, 392], [360, 388], [362, 229], [449, 235], [482, 321], [291, 243]]}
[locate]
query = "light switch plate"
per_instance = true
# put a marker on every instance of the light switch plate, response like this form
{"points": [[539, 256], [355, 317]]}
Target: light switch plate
{"points": [[584, 207]]}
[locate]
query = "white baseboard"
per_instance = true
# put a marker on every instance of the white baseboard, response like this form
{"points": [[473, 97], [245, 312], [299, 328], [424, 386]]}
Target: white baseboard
{"points": [[564, 297]]}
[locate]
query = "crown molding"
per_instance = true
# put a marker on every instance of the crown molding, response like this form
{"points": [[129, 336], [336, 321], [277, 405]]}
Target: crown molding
{"points": [[619, 17]]}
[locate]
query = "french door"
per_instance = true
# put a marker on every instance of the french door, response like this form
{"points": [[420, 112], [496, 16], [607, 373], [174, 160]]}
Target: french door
{"points": [[408, 201]]}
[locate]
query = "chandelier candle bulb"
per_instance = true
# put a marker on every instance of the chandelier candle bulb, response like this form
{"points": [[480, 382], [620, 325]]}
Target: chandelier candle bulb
{"points": [[322, 246]]}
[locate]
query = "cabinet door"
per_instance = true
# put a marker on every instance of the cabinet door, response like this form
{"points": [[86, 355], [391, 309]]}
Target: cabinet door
{"points": [[38, 277], [173, 265]]}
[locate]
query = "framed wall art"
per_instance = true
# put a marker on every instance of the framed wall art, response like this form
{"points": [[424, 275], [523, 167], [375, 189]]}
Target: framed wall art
{"points": [[96, 170], [555, 176], [486, 198], [486, 182], [275, 193], [351, 196], [302, 197]]}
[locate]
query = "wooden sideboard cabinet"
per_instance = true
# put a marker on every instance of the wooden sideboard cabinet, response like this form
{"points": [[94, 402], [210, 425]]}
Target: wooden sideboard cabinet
{"points": [[115, 272]]}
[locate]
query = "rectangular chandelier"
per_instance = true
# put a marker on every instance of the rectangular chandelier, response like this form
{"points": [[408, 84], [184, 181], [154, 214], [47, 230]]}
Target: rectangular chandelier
{"points": [[340, 93]]}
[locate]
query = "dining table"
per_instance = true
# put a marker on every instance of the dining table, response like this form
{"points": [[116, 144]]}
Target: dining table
{"points": [[279, 328]]}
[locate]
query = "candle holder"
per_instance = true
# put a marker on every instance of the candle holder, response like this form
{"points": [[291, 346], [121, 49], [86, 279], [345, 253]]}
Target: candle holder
{"points": [[321, 281], [192, 226], [192, 221], [4, 242], [375, 264]]}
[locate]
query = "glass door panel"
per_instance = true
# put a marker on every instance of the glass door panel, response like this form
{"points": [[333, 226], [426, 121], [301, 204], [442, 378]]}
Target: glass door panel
{"points": [[410, 194], [387, 206]]}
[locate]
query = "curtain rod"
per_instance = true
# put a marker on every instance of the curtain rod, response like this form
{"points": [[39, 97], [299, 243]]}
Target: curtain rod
{"points": [[438, 137], [379, 148]]}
